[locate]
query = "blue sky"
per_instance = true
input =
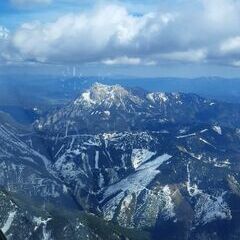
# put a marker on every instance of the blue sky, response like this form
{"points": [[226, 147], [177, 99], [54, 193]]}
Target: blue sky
{"points": [[11, 15], [151, 38]]}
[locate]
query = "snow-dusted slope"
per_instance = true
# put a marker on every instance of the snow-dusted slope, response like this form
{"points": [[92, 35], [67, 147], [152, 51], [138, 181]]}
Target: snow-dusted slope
{"points": [[165, 162], [128, 178], [26, 171]]}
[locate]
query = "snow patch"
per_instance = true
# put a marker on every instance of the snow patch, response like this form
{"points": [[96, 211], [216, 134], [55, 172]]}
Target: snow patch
{"points": [[157, 97], [169, 206], [217, 129], [192, 189], [206, 142], [42, 222], [210, 208], [107, 113], [187, 135], [139, 180], [139, 156], [96, 159], [9, 222]]}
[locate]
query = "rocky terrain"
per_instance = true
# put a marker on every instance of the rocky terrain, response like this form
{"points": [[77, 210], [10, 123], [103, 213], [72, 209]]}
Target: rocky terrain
{"points": [[119, 163]]}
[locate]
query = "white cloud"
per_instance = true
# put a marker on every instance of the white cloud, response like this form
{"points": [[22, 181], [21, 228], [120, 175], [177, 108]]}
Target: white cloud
{"points": [[4, 33], [103, 33], [110, 34], [122, 61], [231, 45], [236, 63], [196, 55]]}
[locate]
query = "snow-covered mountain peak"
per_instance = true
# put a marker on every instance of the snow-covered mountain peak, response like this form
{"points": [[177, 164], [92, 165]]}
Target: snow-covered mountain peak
{"points": [[107, 96]]}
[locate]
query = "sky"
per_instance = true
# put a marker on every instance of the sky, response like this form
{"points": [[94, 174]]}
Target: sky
{"points": [[180, 38]]}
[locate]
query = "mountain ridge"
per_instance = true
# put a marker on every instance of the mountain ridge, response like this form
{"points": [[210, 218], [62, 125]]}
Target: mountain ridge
{"points": [[114, 107], [158, 165]]}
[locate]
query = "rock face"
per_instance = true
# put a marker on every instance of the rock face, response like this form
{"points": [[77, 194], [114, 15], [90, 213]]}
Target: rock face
{"points": [[165, 165]]}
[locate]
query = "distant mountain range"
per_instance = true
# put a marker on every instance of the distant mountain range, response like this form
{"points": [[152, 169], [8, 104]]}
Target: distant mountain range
{"points": [[122, 163], [45, 89]]}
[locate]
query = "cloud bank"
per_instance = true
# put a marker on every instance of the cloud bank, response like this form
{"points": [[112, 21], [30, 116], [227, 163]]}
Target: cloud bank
{"points": [[200, 32]]}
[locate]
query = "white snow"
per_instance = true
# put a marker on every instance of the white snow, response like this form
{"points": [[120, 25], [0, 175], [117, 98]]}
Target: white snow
{"points": [[9, 221], [204, 130], [139, 180], [187, 135], [196, 156], [126, 202], [182, 131], [169, 206], [150, 97], [217, 129], [46, 234], [65, 189], [66, 130], [42, 222], [210, 208], [238, 131], [110, 136], [108, 96], [86, 96], [222, 164], [68, 168], [139, 156], [101, 180], [96, 159], [206, 142], [192, 189], [157, 97], [60, 149], [107, 113]]}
